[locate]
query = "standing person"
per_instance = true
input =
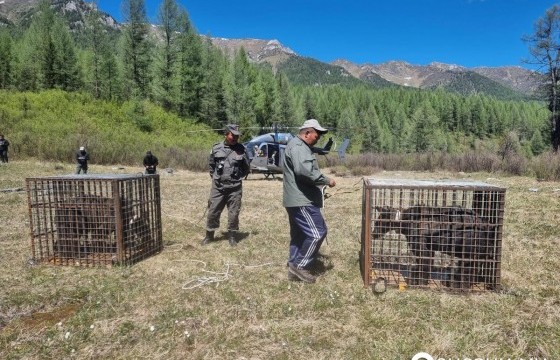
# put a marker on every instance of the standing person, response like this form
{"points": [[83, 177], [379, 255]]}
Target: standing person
{"points": [[302, 200], [150, 163], [82, 157], [228, 165], [4, 149]]}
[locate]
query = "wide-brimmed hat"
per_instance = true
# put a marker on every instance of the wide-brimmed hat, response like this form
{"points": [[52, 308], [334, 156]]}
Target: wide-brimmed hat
{"points": [[312, 123], [232, 128]]}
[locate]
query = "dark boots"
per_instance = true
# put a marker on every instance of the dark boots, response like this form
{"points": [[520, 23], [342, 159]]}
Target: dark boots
{"points": [[232, 238], [208, 238]]}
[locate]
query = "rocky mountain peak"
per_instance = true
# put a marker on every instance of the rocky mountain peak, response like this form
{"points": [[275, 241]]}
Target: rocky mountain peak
{"points": [[257, 50], [21, 11]]}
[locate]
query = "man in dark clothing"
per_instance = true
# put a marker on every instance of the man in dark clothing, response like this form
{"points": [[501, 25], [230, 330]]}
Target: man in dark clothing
{"points": [[303, 200], [4, 149], [228, 164], [150, 163], [82, 157]]}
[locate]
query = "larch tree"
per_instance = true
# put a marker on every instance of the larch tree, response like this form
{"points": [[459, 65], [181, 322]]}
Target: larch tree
{"points": [[67, 72], [239, 95], [171, 19], [212, 99], [6, 60], [96, 41], [137, 55], [285, 101], [190, 75]]}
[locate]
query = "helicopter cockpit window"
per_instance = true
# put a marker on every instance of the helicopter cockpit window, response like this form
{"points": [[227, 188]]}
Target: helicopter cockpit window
{"points": [[272, 154], [263, 151], [273, 158]]}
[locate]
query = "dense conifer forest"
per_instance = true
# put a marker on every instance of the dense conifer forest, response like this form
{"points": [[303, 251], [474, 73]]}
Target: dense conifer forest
{"points": [[178, 70]]}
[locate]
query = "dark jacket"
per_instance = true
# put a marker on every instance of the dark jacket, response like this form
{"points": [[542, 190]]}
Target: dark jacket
{"points": [[151, 160], [4, 144], [82, 158]]}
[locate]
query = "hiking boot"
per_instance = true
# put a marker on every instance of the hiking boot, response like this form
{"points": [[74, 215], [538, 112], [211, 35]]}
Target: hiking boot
{"points": [[302, 274], [292, 277], [208, 238], [231, 238]]}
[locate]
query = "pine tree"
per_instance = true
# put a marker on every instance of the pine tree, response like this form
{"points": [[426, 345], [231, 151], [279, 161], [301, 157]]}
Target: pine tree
{"points": [[545, 51]]}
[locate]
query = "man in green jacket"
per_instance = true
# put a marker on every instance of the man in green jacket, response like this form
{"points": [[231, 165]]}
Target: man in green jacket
{"points": [[303, 199]]}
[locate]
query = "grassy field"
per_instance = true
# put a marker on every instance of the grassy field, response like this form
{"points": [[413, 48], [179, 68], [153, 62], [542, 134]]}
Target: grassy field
{"points": [[218, 302]]}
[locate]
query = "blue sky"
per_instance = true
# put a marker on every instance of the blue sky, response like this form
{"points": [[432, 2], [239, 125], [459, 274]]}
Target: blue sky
{"points": [[464, 32]]}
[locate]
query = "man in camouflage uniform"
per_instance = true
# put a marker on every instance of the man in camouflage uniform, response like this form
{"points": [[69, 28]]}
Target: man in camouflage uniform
{"points": [[228, 164]]}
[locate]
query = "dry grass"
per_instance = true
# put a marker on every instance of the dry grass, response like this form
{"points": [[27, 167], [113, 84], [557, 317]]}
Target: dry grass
{"points": [[250, 310]]}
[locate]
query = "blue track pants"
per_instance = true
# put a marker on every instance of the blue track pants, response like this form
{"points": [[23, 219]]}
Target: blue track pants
{"points": [[307, 232]]}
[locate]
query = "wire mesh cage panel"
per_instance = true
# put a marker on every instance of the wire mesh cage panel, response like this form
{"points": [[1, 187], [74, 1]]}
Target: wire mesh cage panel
{"points": [[92, 220], [432, 234]]}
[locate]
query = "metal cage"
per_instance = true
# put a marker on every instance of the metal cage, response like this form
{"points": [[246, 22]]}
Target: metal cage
{"points": [[93, 220], [432, 234]]}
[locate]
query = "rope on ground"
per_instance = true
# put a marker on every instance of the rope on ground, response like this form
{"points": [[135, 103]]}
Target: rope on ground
{"points": [[171, 248], [8, 190], [214, 277]]}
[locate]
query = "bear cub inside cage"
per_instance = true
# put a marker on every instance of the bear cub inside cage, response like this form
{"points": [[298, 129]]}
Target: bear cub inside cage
{"points": [[433, 234], [94, 219]]}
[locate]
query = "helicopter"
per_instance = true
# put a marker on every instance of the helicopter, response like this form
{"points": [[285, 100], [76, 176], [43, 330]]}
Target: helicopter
{"points": [[266, 151]]}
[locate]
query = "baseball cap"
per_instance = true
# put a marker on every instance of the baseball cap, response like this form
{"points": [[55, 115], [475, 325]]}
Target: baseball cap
{"points": [[233, 128], [312, 123], [82, 148]]}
